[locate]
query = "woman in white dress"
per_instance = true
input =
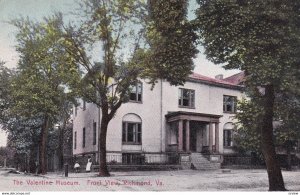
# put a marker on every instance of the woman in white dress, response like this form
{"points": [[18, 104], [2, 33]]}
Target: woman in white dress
{"points": [[88, 165]]}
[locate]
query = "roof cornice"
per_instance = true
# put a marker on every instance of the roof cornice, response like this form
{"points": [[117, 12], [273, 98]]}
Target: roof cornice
{"points": [[222, 85]]}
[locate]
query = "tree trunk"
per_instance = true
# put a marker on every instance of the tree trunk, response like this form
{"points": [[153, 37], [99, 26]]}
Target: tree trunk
{"points": [[268, 148], [61, 146], [61, 149], [289, 155], [32, 159], [63, 143], [103, 171], [42, 151]]}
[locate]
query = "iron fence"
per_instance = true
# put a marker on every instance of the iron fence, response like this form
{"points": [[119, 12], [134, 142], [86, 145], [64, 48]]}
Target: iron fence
{"points": [[142, 159], [236, 160]]}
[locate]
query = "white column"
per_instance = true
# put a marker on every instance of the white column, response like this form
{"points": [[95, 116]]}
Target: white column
{"points": [[187, 136], [211, 137], [217, 137], [180, 136]]}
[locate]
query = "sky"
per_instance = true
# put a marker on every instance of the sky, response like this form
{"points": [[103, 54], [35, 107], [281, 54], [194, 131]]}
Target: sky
{"points": [[37, 9]]}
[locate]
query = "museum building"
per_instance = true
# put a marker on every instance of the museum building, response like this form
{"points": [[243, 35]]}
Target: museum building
{"points": [[189, 125]]}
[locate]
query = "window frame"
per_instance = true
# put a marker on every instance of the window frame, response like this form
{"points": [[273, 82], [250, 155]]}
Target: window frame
{"points": [[135, 134], [83, 137], [231, 138], [94, 133], [225, 105], [191, 98], [136, 93], [75, 140]]}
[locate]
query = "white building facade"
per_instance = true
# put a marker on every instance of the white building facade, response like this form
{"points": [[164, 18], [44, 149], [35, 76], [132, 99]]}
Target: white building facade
{"points": [[164, 122]]}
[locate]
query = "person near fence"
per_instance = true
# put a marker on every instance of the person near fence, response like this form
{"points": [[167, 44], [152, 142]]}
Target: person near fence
{"points": [[77, 167], [88, 165]]}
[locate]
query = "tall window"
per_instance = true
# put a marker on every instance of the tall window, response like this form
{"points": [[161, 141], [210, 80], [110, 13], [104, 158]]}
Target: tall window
{"points": [[136, 92], [229, 103], [83, 137], [227, 138], [186, 98], [132, 133], [94, 132], [75, 139]]}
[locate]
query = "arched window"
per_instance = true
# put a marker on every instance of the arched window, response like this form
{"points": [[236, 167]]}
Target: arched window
{"points": [[227, 134], [131, 129]]}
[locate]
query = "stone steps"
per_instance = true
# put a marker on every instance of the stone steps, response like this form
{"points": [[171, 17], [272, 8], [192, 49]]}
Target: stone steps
{"points": [[200, 162]]}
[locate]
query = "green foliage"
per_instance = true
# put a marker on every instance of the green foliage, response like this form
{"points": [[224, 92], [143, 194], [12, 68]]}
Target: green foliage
{"points": [[6, 154], [115, 25], [248, 137], [260, 37], [286, 122], [38, 91], [6, 76], [172, 42], [23, 134], [287, 112], [44, 67]]}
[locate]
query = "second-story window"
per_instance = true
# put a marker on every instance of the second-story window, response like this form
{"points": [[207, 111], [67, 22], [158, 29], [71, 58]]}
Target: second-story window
{"points": [[229, 104], [136, 92], [186, 98]]}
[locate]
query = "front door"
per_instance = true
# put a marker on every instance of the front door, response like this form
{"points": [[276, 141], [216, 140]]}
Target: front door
{"points": [[196, 136], [193, 140]]}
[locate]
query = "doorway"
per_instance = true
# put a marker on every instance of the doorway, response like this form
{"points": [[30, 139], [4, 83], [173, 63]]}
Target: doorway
{"points": [[193, 140], [196, 135]]}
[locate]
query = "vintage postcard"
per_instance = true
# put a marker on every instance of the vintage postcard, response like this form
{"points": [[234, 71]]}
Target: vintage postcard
{"points": [[149, 95]]}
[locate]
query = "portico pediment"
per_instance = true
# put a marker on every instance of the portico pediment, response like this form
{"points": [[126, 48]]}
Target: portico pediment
{"points": [[192, 116]]}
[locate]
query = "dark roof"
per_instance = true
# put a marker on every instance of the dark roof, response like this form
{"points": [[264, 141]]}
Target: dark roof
{"points": [[216, 82], [236, 79]]}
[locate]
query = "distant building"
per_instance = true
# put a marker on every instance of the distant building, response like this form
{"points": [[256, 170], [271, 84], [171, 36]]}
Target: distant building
{"points": [[189, 122]]}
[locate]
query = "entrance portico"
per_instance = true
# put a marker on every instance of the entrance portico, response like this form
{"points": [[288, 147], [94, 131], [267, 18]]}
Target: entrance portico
{"points": [[195, 132]]}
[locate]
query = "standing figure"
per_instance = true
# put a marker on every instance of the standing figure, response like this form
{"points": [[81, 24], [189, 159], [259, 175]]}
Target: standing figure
{"points": [[76, 167], [88, 165]]}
